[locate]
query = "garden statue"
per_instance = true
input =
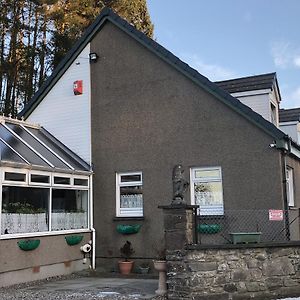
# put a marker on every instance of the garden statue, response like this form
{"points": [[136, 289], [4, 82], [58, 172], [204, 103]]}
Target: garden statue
{"points": [[180, 185]]}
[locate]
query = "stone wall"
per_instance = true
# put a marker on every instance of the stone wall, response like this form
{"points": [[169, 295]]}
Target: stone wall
{"points": [[231, 272], [234, 273]]}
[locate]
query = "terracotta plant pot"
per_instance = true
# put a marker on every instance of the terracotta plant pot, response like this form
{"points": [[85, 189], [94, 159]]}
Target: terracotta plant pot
{"points": [[125, 267]]}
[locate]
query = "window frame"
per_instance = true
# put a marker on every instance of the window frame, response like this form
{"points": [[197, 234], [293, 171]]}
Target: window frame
{"points": [[120, 184], [194, 179], [12, 170], [290, 187], [50, 186]]}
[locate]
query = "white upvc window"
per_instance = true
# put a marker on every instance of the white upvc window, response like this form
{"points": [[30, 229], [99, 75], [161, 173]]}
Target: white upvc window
{"points": [[290, 186], [38, 202], [207, 190], [15, 176], [129, 194]]}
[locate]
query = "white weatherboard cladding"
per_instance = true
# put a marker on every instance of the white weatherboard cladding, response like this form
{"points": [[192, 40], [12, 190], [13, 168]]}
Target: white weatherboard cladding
{"points": [[258, 103], [65, 115], [292, 130]]}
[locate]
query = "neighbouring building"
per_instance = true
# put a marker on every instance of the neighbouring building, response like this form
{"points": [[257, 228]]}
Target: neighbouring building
{"points": [[289, 122], [132, 110]]}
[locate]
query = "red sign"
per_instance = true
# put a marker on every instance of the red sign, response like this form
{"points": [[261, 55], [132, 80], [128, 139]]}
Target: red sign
{"points": [[77, 87], [275, 215]]}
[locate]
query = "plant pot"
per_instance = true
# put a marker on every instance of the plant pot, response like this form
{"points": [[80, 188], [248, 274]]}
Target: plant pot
{"points": [[125, 267], [144, 270], [160, 265], [245, 237]]}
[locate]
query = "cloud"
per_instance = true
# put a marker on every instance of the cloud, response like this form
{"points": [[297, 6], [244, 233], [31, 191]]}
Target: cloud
{"points": [[297, 61], [285, 55], [213, 71], [280, 52]]}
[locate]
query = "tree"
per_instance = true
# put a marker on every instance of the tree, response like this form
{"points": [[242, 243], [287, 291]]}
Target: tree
{"points": [[36, 34]]}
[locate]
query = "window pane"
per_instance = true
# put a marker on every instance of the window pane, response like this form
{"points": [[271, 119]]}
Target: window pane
{"points": [[131, 178], [15, 176], [24, 210], [40, 178], [69, 209], [209, 196], [131, 201], [82, 182], [214, 173], [61, 180]]}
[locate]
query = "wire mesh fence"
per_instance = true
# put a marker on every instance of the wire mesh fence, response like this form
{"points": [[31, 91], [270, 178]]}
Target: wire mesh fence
{"points": [[248, 226]]}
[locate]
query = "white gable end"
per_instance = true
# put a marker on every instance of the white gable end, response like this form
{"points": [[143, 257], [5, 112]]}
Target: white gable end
{"points": [[65, 115]]}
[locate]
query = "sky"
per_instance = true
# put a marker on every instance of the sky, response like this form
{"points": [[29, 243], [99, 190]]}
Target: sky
{"points": [[225, 39]]}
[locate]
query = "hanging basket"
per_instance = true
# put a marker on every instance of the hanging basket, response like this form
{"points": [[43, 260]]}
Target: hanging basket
{"points": [[128, 229], [28, 245], [209, 228], [73, 239]]}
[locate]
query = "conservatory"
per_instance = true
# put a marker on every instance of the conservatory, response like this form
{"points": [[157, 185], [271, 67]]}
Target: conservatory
{"points": [[45, 187]]}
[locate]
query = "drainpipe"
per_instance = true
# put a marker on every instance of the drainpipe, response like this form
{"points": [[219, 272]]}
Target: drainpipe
{"points": [[93, 262], [284, 152]]}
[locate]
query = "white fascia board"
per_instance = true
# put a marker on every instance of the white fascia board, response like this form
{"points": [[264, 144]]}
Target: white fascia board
{"points": [[295, 152], [288, 123], [251, 93]]}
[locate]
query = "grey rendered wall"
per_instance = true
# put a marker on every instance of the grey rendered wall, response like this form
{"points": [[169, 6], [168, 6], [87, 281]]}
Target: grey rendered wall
{"points": [[146, 116]]}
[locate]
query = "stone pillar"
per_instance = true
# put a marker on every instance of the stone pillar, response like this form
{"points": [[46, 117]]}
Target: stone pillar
{"points": [[179, 232], [178, 226]]}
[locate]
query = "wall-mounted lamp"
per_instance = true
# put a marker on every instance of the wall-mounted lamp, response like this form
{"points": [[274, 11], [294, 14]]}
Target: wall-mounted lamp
{"points": [[93, 57]]}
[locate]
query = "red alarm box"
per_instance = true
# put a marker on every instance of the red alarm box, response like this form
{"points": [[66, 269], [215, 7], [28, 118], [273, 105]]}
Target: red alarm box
{"points": [[77, 87]]}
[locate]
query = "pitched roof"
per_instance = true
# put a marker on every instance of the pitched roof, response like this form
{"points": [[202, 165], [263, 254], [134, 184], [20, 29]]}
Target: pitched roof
{"points": [[167, 56], [250, 83], [32, 146], [289, 115]]}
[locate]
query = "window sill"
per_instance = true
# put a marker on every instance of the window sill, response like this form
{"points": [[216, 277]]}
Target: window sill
{"points": [[119, 219]]}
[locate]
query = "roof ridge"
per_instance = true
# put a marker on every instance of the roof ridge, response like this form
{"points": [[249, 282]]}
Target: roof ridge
{"points": [[246, 77], [166, 55]]}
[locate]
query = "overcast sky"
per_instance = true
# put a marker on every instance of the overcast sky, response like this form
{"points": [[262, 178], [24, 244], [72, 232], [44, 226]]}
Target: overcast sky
{"points": [[226, 39]]}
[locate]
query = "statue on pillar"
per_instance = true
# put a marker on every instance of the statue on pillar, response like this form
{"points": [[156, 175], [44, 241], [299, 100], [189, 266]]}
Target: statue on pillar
{"points": [[180, 186]]}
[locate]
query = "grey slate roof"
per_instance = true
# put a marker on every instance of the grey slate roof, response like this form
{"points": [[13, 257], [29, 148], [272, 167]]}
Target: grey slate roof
{"points": [[34, 147], [289, 115], [250, 83], [167, 56]]}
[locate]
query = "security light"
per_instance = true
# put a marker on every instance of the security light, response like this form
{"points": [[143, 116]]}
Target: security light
{"points": [[93, 57]]}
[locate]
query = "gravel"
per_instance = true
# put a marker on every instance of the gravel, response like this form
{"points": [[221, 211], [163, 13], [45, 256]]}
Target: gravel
{"points": [[31, 291]]}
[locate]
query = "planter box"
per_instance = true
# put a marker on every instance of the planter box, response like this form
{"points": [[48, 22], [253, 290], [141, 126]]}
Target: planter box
{"points": [[245, 237]]}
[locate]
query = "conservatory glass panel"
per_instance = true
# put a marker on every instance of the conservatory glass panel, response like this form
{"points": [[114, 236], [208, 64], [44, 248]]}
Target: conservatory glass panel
{"points": [[21, 148], [24, 210], [69, 209], [37, 146], [8, 155], [58, 148]]}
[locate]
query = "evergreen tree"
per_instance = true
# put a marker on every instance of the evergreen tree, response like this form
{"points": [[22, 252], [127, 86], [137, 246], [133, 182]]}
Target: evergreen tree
{"points": [[36, 34]]}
